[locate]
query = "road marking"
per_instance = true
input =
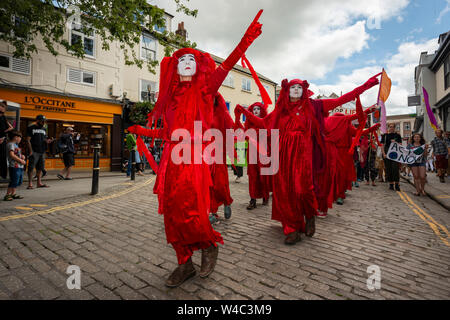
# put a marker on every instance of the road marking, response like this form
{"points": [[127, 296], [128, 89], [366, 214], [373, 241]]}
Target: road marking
{"points": [[443, 228], [76, 204], [38, 205], [423, 215], [443, 197], [23, 208]]}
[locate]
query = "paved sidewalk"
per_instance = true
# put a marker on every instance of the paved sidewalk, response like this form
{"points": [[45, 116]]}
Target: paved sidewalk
{"points": [[64, 191], [436, 190]]}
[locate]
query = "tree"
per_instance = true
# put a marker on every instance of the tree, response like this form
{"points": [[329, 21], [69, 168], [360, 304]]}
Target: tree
{"points": [[23, 21], [139, 112]]}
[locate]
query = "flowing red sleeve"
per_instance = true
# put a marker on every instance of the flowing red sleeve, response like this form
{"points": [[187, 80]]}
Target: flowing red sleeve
{"points": [[330, 104], [140, 131], [371, 129], [366, 112], [254, 120], [219, 75]]}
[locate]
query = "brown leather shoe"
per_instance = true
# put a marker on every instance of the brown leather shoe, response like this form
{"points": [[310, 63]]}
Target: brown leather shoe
{"points": [[310, 227], [181, 274], [209, 259], [293, 238]]}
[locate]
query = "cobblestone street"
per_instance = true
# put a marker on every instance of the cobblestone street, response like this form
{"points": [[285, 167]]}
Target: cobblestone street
{"points": [[118, 241]]}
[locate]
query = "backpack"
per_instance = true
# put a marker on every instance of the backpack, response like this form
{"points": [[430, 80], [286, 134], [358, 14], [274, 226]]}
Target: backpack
{"points": [[61, 146]]}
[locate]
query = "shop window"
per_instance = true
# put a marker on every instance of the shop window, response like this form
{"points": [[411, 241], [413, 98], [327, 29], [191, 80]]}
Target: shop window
{"points": [[246, 85], [86, 40], [81, 76], [148, 47], [147, 88], [90, 135], [9, 63]]}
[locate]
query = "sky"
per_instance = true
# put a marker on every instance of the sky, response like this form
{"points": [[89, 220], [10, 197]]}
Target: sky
{"points": [[336, 45]]}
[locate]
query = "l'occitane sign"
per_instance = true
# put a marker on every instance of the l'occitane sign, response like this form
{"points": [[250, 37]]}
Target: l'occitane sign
{"points": [[57, 107]]}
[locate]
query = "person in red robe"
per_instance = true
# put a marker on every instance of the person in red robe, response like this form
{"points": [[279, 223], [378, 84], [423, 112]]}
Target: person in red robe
{"points": [[189, 81], [220, 189], [335, 135], [258, 184], [300, 121], [340, 169]]}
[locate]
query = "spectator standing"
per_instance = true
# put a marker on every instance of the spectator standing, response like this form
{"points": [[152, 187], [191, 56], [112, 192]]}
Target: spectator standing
{"points": [[430, 160], [392, 167], [380, 165], [37, 140], [440, 154], [370, 170], [16, 161], [419, 167], [66, 146], [5, 127], [131, 145], [447, 141]]}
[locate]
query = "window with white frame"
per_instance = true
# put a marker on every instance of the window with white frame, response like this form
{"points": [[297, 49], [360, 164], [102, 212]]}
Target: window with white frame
{"points": [[246, 84], [147, 88], [406, 126], [86, 40], [229, 81], [81, 76], [9, 63], [148, 47], [265, 87], [161, 29]]}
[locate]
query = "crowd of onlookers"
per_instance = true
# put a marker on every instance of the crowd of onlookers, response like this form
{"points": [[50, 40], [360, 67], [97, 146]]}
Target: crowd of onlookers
{"points": [[372, 163], [19, 155]]}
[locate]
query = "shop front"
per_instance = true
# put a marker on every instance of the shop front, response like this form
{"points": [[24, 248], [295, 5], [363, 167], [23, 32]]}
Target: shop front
{"points": [[97, 121]]}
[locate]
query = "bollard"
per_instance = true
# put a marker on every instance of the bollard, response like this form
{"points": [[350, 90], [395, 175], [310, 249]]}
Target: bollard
{"points": [[133, 165], [96, 170]]}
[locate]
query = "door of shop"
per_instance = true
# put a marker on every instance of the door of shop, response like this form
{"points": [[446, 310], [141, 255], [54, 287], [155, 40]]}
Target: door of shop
{"points": [[116, 145]]}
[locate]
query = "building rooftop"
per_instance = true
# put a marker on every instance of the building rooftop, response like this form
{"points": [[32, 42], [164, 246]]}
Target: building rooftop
{"points": [[442, 52]]}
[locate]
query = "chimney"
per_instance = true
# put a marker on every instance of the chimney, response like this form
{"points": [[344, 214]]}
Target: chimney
{"points": [[181, 31]]}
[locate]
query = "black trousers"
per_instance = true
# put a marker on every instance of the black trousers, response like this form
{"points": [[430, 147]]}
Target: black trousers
{"points": [[239, 172], [392, 171], [3, 163], [370, 171]]}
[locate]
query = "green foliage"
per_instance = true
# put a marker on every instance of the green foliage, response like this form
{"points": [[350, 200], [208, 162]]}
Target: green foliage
{"points": [[121, 21], [139, 112]]}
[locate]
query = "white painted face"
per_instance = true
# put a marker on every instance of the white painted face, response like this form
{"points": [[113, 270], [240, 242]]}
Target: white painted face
{"points": [[187, 66], [296, 91], [257, 111]]}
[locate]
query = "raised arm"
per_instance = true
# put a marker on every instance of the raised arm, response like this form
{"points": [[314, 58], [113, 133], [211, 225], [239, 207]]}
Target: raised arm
{"points": [[256, 121], [219, 75], [153, 133], [371, 129], [330, 104], [366, 112]]}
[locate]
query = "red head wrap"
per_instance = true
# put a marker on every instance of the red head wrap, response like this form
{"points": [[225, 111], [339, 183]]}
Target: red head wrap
{"points": [[262, 114], [169, 77]]}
